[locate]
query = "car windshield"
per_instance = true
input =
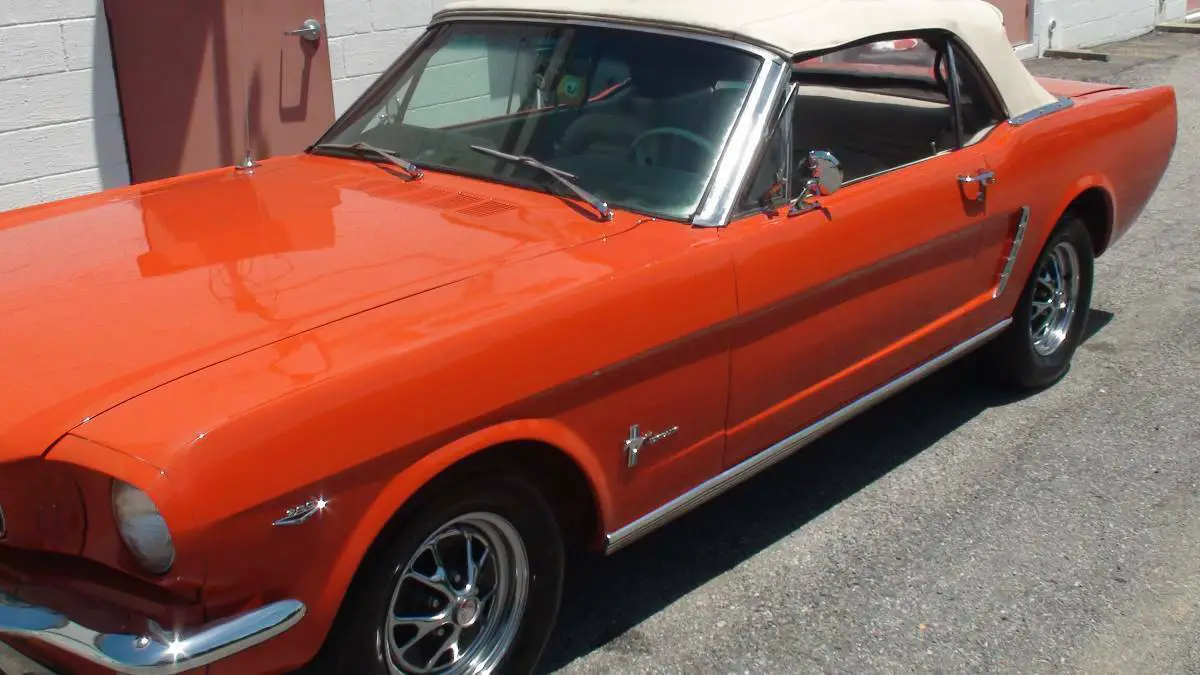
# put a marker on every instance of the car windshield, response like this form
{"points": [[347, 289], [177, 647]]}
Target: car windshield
{"points": [[638, 119]]}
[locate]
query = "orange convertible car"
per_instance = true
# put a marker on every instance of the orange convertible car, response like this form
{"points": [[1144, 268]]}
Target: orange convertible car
{"points": [[568, 269]]}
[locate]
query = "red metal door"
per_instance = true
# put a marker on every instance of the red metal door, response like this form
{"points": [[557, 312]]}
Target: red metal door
{"points": [[201, 81], [1016, 19]]}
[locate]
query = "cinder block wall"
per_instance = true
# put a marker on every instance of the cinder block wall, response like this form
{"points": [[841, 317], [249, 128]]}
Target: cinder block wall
{"points": [[1087, 23], [366, 36], [60, 126]]}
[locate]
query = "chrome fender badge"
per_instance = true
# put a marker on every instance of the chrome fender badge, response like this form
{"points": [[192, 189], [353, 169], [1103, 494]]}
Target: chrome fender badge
{"points": [[637, 441], [299, 514]]}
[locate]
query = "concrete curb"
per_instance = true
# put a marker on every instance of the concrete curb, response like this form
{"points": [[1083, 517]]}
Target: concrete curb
{"points": [[1179, 27], [1085, 54]]}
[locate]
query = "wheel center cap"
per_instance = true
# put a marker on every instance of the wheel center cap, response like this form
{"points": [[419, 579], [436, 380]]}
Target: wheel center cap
{"points": [[466, 612]]}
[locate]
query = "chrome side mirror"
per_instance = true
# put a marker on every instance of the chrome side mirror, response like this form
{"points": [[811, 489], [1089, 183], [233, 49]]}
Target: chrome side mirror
{"points": [[821, 174]]}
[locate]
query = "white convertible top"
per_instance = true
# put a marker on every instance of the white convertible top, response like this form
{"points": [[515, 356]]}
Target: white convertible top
{"points": [[791, 27]]}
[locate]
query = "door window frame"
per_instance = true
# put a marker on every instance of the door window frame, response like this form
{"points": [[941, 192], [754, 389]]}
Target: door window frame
{"points": [[960, 61]]}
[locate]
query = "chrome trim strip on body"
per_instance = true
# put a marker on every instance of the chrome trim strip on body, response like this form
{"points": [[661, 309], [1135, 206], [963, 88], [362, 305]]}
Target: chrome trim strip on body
{"points": [[162, 653], [1037, 113], [735, 475], [1013, 251]]}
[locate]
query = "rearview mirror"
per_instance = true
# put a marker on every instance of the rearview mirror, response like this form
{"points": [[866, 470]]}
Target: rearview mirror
{"points": [[821, 175]]}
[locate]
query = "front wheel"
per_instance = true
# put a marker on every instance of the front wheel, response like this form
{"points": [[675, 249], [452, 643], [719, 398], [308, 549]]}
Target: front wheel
{"points": [[470, 583], [1051, 314]]}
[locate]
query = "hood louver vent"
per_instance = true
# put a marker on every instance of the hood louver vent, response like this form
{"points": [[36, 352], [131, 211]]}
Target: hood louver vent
{"points": [[457, 201], [488, 208]]}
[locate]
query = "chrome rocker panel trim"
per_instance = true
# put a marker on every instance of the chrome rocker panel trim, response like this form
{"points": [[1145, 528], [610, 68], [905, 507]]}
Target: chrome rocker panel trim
{"points": [[750, 467], [160, 654]]}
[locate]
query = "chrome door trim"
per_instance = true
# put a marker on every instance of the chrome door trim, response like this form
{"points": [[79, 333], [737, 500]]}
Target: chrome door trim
{"points": [[1013, 252], [738, 473], [1037, 113], [741, 149]]}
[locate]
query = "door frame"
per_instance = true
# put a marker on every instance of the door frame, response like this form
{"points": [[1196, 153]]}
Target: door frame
{"points": [[189, 95]]}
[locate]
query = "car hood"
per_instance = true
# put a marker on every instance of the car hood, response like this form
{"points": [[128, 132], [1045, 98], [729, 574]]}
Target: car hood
{"points": [[105, 297]]}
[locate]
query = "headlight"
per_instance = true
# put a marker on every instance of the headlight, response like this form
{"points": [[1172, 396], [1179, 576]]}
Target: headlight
{"points": [[143, 528]]}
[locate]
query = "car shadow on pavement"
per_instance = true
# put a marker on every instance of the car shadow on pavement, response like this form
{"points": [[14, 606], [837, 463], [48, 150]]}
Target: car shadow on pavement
{"points": [[606, 597]]}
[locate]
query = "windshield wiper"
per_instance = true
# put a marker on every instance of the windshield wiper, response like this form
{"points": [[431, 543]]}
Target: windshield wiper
{"points": [[566, 179], [367, 149]]}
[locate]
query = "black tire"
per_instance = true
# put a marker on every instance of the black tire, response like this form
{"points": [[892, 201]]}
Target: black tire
{"points": [[1015, 357], [358, 643]]}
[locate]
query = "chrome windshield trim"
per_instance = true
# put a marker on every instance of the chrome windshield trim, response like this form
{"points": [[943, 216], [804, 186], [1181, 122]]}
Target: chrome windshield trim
{"points": [[767, 458], [749, 132], [449, 16], [162, 653], [1037, 113]]}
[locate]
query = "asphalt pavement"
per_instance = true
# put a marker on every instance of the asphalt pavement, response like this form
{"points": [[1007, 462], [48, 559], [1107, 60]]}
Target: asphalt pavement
{"points": [[954, 529]]}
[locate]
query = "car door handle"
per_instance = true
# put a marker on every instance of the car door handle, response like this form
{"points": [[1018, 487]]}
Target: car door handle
{"points": [[983, 178]]}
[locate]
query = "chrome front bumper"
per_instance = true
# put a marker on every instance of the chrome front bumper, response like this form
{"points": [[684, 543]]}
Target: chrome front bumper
{"points": [[158, 654]]}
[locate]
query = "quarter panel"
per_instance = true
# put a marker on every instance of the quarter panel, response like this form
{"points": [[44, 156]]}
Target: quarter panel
{"points": [[1119, 140]]}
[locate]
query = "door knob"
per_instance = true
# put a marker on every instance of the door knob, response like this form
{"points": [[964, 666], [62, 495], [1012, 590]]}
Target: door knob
{"points": [[309, 30]]}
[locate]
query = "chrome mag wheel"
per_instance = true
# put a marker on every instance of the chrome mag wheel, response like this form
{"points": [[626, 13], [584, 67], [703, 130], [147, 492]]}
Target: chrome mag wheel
{"points": [[1055, 299], [457, 606]]}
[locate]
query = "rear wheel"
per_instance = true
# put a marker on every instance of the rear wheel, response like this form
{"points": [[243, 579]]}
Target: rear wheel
{"points": [[470, 583], [1051, 314]]}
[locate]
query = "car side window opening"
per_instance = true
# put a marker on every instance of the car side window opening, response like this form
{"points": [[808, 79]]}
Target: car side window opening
{"points": [[878, 106]]}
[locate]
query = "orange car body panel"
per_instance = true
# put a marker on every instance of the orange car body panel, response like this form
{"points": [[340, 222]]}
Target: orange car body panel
{"points": [[824, 296], [245, 260], [237, 344]]}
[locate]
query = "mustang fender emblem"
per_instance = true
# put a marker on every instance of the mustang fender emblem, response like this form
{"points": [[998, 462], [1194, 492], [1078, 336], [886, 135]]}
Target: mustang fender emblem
{"points": [[299, 514], [636, 441]]}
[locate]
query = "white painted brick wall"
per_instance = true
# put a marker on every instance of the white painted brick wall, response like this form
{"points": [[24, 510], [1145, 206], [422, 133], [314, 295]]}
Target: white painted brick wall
{"points": [[1087, 23], [60, 125], [367, 36]]}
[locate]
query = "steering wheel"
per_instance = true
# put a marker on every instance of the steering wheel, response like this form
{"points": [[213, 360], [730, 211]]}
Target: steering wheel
{"points": [[642, 158]]}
